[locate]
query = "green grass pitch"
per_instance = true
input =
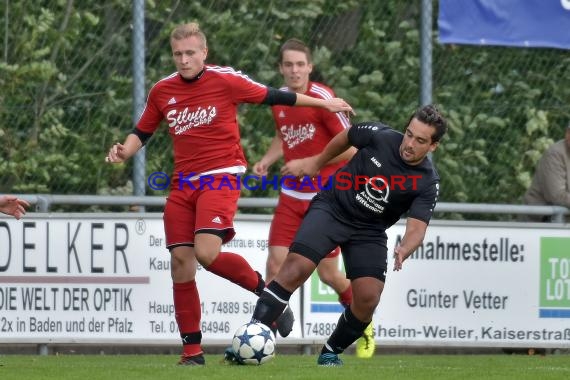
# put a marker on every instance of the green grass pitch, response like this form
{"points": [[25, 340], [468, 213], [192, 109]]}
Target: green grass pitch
{"points": [[290, 367]]}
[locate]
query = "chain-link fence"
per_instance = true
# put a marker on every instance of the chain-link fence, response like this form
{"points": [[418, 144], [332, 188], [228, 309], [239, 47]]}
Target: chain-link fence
{"points": [[66, 87]]}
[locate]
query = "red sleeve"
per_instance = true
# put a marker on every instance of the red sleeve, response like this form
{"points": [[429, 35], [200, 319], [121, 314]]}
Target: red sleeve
{"points": [[151, 116], [244, 89], [335, 122]]}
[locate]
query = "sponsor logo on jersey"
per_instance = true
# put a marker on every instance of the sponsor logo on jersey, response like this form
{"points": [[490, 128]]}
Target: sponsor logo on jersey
{"points": [[188, 118], [293, 135], [378, 189], [376, 162]]}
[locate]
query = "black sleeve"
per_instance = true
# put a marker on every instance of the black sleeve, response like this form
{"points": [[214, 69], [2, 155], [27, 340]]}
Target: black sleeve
{"points": [[422, 207], [359, 135], [275, 96], [143, 136]]}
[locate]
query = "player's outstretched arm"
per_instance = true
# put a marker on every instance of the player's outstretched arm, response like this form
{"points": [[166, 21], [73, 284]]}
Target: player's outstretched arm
{"points": [[333, 104], [310, 166], [344, 156], [122, 152], [413, 237], [12, 205]]}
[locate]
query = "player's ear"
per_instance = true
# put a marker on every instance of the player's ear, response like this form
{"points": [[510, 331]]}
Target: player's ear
{"points": [[433, 146]]}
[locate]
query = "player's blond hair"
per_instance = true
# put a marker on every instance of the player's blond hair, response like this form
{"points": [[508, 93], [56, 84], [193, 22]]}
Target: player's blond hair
{"points": [[188, 30]]}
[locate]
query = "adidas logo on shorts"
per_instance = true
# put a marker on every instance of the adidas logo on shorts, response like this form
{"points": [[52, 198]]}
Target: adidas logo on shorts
{"points": [[217, 220]]}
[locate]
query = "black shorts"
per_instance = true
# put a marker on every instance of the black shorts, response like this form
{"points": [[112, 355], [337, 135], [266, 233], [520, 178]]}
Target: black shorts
{"points": [[364, 247]]}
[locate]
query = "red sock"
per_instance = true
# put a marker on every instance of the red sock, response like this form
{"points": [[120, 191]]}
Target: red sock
{"points": [[188, 313], [236, 269], [345, 298]]}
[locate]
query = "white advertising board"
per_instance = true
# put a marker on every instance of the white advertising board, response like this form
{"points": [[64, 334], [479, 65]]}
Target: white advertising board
{"points": [[469, 284], [106, 278]]}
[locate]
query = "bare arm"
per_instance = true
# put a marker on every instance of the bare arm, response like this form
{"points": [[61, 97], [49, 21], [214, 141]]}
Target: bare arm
{"points": [[12, 205], [333, 105], [302, 166], [413, 238], [345, 156], [122, 152], [310, 166], [274, 153]]}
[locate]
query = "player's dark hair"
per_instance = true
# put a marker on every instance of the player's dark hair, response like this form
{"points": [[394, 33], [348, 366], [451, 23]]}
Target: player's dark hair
{"points": [[297, 45], [430, 115]]}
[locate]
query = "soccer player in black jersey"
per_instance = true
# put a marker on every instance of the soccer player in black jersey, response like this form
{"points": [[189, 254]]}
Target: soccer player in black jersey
{"points": [[391, 175]]}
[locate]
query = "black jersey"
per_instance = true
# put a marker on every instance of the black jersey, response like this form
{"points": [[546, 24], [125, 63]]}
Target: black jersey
{"points": [[377, 187]]}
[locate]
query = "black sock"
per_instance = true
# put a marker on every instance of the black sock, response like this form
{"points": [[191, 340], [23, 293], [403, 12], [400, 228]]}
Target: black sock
{"points": [[271, 303], [347, 331]]}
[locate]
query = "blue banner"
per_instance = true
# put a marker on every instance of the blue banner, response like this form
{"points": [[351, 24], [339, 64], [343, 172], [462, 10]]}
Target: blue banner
{"points": [[524, 23]]}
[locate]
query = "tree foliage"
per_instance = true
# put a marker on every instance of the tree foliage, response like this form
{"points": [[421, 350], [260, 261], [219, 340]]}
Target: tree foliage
{"points": [[66, 87]]}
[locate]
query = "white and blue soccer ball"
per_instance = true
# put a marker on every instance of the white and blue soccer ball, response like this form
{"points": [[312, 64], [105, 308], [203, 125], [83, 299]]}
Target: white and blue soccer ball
{"points": [[254, 343]]}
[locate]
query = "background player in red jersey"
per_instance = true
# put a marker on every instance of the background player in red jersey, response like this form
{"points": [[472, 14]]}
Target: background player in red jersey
{"points": [[199, 103], [302, 132]]}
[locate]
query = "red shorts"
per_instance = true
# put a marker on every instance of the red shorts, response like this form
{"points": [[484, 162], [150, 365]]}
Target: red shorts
{"points": [[286, 221], [211, 207]]}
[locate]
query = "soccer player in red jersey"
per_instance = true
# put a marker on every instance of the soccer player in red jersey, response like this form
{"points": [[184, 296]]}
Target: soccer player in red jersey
{"points": [[301, 132], [199, 103]]}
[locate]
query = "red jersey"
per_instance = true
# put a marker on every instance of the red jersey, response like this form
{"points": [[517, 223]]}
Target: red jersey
{"points": [[202, 118], [305, 131]]}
